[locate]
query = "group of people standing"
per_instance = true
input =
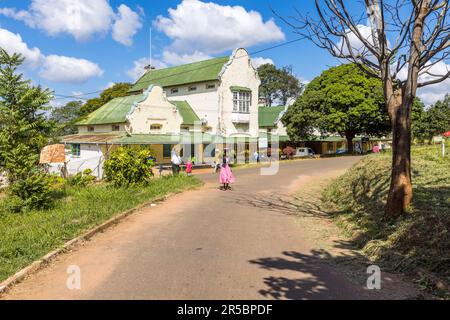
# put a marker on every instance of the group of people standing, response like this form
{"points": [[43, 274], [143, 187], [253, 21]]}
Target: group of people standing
{"points": [[226, 176], [176, 164]]}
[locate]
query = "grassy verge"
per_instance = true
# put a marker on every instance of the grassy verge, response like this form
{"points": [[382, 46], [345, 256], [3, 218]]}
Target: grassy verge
{"points": [[417, 244], [28, 236]]}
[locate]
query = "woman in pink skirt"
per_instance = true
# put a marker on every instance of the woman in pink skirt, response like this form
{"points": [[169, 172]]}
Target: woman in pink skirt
{"points": [[226, 175]]}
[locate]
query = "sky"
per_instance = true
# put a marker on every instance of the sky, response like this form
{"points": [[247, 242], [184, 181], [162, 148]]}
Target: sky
{"points": [[76, 47]]}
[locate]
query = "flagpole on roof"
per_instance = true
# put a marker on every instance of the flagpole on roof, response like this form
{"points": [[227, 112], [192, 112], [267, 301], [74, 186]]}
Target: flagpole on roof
{"points": [[151, 46]]}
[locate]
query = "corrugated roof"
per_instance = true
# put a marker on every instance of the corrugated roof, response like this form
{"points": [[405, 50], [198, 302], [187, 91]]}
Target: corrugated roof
{"points": [[114, 111], [268, 116], [91, 138], [207, 70], [148, 139], [186, 112], [117, 109]]}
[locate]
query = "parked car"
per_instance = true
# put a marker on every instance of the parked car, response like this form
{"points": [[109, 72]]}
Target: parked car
{"points": [[304, 153]]}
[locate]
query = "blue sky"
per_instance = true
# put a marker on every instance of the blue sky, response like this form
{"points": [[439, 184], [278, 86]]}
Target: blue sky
{"points": [[116, 59], [83, 46]]}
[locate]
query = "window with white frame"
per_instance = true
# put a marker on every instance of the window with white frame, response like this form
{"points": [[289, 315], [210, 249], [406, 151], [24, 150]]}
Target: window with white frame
{"points": [[242, 100]]}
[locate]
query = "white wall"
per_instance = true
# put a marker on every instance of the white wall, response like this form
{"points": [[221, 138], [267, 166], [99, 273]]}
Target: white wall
{"points": [[90, 158], [239, 72], [156, 109], [204, 102], [100, 128]]}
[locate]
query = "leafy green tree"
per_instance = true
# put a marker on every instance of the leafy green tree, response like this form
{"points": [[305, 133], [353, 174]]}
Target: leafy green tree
{"points": [[278, 84], [341, 100], [432, 122], [24, 131], [65, 118], [116, 91]]}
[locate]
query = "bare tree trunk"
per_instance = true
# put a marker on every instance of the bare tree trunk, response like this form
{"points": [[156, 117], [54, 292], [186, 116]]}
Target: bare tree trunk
{"points": [[400, 192]]}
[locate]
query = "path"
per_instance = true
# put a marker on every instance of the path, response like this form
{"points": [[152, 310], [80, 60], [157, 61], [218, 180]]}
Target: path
{"points": [[207, 244]]}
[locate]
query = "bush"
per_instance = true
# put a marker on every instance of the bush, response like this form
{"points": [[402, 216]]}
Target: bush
{"points": [[82, 179], [34, 192], [129, 166]]}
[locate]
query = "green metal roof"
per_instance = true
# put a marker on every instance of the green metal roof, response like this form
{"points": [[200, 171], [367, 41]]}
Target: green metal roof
{"points": [[239, 88], [149, 139], [268, 116], [207, 70], [186, 112], [114, 111], [184, 138]]}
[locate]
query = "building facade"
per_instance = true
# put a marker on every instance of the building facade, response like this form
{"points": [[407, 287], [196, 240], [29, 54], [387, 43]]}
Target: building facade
{"points": [[199, 109]]}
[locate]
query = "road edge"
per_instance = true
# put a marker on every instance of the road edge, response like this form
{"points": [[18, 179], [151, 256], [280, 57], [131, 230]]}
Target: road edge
{"points": [[40, 264]]}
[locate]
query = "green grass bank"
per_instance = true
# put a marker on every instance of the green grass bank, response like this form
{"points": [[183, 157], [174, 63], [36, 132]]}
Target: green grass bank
{"points": [[417, 244]]}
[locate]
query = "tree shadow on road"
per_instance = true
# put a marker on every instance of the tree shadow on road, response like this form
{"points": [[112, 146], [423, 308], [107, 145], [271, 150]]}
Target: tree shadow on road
{"points": [[318, 279], [283, 204]]}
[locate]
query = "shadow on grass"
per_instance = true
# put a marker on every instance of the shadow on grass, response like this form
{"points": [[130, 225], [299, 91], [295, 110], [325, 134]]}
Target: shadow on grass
{"points": [[418, 243]]}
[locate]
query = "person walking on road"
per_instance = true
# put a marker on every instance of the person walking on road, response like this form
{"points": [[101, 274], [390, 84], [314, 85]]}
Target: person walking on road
{"points": [[226, 176]]}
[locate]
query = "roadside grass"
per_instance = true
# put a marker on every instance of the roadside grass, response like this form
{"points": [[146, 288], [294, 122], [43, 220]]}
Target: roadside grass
{"points": [[28, 236], [417, 244]]}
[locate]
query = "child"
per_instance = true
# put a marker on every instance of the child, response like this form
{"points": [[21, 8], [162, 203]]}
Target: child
{"points": [[226, 175], [189, 168]]}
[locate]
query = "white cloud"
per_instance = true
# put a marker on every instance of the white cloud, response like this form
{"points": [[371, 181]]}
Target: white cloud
{"points": [[173, 58], [259, 61], [79, 18], [13, 43], [82, 19], [212, 28], [68, 70], [431, 94], [126, 25], [139, 67]]}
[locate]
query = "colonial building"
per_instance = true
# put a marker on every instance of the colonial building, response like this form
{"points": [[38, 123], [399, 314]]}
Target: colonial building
{"points": [[199, 109]]}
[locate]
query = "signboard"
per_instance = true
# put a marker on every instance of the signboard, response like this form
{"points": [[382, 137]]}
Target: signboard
{"points": [[54, 153], [263, 143]]}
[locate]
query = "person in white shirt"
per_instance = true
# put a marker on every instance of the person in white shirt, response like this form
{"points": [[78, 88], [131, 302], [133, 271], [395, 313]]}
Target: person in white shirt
{"points": [[176, 162]]}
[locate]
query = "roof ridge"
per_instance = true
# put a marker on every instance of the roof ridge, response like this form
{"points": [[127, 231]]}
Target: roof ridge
{"points": [[190, 63]]}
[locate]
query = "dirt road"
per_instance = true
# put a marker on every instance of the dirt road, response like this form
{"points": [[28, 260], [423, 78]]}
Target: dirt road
{"points": [[206, 244]]}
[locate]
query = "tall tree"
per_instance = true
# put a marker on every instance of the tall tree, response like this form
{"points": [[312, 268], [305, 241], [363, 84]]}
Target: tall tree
{"points": [[116, 91], [341, 100], [278, 85], [405, 44], [24, 131], [65, 117]]}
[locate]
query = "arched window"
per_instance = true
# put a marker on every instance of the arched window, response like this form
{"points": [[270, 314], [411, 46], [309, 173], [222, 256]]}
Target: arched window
{"points": [[155, 127]]}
